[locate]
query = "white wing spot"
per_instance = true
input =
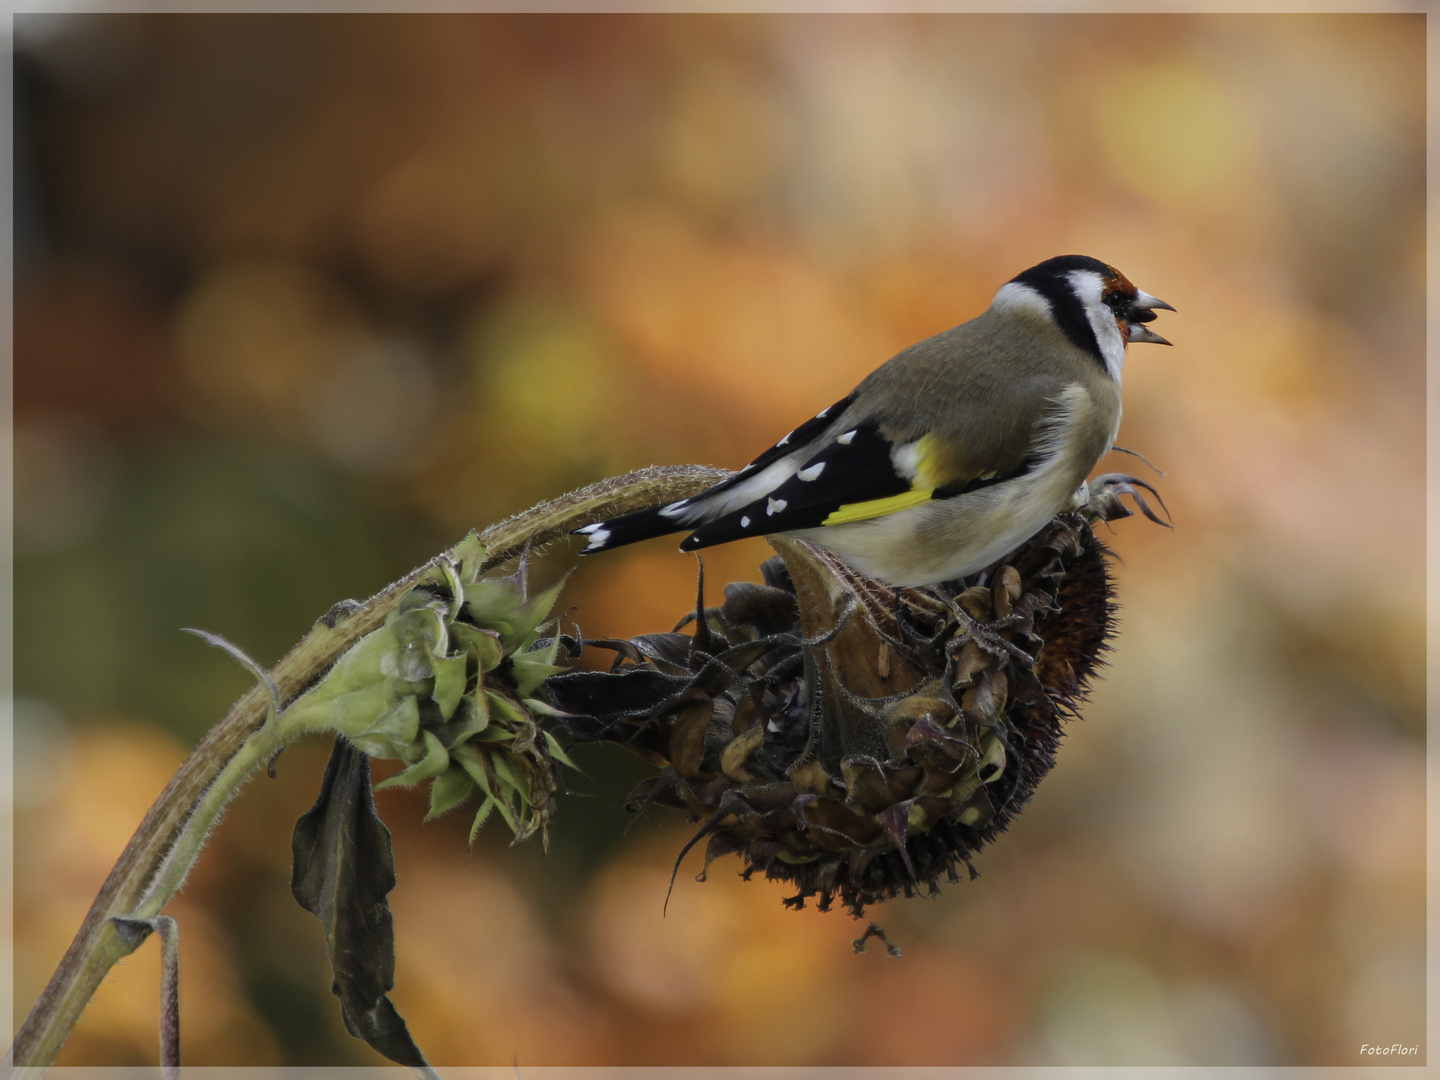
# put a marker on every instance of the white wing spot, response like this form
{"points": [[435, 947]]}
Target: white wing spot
{"points": [[599, 537], [907, 459], [775, 506], [823, 413], [674, 508], [745, 522], [848, 437], [813, 472], [785, 440]]}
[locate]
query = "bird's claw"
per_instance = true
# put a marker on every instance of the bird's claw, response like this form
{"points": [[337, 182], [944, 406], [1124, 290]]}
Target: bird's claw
{"points": [[1104, 502]]}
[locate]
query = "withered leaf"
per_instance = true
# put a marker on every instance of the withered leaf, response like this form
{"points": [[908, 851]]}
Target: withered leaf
{"points": [[597, 700], [343, 868], [768, 610], [719, 671], [687, 737], [670, 651]]}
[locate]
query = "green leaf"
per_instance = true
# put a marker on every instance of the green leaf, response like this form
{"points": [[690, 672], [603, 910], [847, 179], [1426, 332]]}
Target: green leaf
{"points": [[353, 693], [350, 712], [504, 709], [469, 554], [533, 613], [558, 753], [485, 644], [435, 762], [481, 816], [534, 666], [455, 587], [421, 636], [505, 770], [449, 790], [470, 759], [474, 764], [470, 719], [495, 603], [540, 707], [492, 735], [344, 867], [394, 733], [508, 814], [449, 683]]}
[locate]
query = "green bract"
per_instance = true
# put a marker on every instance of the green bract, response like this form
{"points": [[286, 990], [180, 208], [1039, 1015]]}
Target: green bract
{"points": [[446, 687]]}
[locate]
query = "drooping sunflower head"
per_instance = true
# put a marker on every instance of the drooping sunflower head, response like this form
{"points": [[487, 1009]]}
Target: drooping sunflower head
{"points": [[856, 740]]}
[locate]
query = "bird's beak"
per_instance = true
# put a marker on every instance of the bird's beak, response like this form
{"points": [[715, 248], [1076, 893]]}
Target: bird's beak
{"points": [[1142, 310], [1144, 333]]}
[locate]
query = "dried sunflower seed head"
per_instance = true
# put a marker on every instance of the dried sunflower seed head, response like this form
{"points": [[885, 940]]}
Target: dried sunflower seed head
{"points": [[856, 740]]}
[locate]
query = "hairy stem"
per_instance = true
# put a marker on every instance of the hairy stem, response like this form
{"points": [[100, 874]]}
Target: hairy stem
{"points": [[144, 880]]}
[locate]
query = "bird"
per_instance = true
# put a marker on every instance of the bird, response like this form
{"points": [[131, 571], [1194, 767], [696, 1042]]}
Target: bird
{"points": [[952, 453]]}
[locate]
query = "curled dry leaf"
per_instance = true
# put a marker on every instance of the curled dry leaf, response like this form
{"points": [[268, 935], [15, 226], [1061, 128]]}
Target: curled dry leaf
{"points": [[343, 870]]}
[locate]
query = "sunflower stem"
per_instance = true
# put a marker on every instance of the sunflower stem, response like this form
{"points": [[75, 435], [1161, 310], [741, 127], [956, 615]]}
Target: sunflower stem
{"points": [[162, 850]]}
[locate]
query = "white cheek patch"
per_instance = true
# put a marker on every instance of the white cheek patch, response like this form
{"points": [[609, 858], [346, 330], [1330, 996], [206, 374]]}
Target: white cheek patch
{"points": [[1089, 289]]}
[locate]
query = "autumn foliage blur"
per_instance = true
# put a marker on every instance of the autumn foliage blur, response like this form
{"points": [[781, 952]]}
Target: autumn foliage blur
{"points": [[300, 300]]}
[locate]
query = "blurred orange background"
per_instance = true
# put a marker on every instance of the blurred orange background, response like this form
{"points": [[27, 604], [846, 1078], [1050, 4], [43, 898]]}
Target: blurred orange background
{"points": [[301, 300]]}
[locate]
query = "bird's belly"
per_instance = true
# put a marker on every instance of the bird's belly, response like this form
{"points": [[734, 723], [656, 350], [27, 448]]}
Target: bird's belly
{"points": [[949, 538]]}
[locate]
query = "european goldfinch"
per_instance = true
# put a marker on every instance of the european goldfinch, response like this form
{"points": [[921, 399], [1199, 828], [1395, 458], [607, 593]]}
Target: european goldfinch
{"points": [[952, 453]]}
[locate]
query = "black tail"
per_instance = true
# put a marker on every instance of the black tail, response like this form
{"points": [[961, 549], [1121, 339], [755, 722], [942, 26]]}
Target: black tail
{"points": [[617, 532]]}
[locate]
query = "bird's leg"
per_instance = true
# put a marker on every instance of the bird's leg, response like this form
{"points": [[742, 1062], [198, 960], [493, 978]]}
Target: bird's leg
{"points": [[816, 708], [900, 630]]}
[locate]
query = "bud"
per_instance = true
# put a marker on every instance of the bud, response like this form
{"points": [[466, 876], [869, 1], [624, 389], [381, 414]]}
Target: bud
{"points": [[447, 686]]}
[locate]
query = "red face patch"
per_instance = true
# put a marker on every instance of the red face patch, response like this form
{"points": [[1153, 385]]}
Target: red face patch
{"points": [[1116, 285]]}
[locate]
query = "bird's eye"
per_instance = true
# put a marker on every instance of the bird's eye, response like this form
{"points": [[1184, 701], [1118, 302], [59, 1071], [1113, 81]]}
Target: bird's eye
{"points": [[1119, 304]]}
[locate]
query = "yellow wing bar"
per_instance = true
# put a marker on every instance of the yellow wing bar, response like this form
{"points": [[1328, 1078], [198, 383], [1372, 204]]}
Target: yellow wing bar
{"points": [[863, 511]]}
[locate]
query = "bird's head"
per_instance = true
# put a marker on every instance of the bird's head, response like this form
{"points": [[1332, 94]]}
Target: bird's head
{"points": [[1093, 303]]}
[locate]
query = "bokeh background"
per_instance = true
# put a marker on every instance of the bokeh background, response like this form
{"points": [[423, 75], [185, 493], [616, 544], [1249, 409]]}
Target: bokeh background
{"points": [[300, 300]]}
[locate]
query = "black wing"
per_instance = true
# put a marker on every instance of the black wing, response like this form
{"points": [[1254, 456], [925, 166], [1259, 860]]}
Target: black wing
{"points": [[807, 431], [855, 468], [645, 524]]}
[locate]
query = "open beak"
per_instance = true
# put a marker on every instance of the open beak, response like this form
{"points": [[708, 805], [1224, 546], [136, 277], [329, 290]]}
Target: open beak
{"points": [[1142, 310], [1145, 302], [1144, 333]]}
